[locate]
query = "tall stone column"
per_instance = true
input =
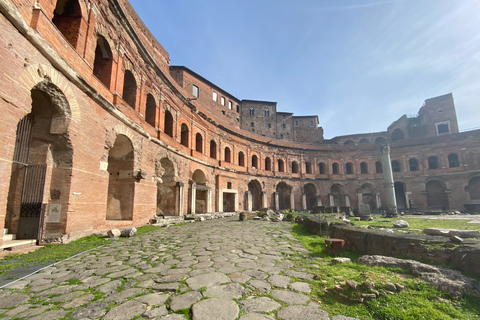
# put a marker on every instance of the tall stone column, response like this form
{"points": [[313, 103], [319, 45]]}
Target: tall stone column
{"points": [[277, 201], [193, 199], [332, 200], [292, 202], [378, 201], [304, 201], [319, 201], [209, 201], [179, 198], [249, 201], [388, 183], [264, 200]]}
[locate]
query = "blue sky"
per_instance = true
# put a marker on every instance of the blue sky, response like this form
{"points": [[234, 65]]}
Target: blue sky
{"points": [[358, 65]]}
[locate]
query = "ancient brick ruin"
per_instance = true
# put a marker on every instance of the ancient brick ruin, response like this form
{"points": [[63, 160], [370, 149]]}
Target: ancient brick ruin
{"points": [[100, 132]]}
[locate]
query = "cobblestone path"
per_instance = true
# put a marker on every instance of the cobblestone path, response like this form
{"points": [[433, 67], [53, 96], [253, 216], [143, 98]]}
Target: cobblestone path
{"points": [[217, 269]]}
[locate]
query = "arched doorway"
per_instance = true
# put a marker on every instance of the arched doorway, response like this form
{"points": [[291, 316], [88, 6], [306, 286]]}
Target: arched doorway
{"points": [[337, 193], [67, 17], [102, 65], [283, 191], [42, 166], [400, 190], [200, 193], [436, 196], [121, 182], [255, 189], [368, 196], [166, 188], [311, 195], [474, 188]]}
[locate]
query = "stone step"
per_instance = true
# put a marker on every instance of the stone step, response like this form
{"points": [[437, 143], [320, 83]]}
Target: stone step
{"points": [[9, 237], [5, 230], [11, 245]]}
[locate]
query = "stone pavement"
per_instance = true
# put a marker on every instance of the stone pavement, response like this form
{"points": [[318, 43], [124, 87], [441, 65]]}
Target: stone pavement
{"points": [[217, 269]]}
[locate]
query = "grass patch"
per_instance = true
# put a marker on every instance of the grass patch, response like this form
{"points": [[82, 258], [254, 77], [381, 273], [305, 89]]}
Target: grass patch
{"points": [[422, 223], [417, 300], [49, 254], [147, 228]]}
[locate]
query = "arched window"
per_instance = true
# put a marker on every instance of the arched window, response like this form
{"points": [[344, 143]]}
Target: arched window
{"points": [[129, 94], [349, 143], [322, 168], [453, 160], [227, 155], [102, 66], [413, 163], [255, 162], [380, 140], [168, 127], [335, 168], [213, 149], [294, 167], [432, 162], [396, 167], [349, 168], [364, 141], [67, 17], [363, 168], [151, 110], [184, 135], [281, 167], [241, 159], [378, 167], [398, 135], [308, 167], [474, 188], [199, 143], [268, 164]]}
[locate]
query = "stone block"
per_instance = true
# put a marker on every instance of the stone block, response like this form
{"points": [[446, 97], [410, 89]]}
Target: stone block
{"points": [[114, 233]]}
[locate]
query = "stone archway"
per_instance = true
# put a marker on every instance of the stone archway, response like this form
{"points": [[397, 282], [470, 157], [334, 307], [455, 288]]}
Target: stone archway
{"points": [[41, 167], [436, 195], [337, 196], [255, 190], [368, 195], [310, 195], [166, 188], [200, 193], [121, 181], [400, 191], [284, 193]]}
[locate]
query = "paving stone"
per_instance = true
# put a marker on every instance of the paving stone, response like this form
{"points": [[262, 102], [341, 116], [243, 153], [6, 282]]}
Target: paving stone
{"points": [[51, 315], [42, 287], [127, 311], [207, 280], [262, 304], [300, 275], [157, 269], [256, 274], [124, 295], [202, 265], [198, 272], [13, 312], [301, 287], [77, 302], [34, 311], [65, 297], [239, 277], [280, 281], [146, 284], [164, 287], [256, 316], [182, 271], [185, 300], [13, 300], [171, 278], [227, 291], [110, 287], [215, 309], [302, 312], [156, 313], [290, 297], [260, 285], [18, 285], [153, 299]]}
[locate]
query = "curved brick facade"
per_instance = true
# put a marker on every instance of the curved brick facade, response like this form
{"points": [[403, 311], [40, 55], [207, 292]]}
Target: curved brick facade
{"points": [[99, 131]]}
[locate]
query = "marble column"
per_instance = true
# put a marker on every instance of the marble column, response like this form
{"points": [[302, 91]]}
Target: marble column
{"points": [[388, 183]]}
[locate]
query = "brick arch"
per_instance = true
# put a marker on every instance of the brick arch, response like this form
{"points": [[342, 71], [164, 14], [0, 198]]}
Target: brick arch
{"points": [[35, 74]]}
